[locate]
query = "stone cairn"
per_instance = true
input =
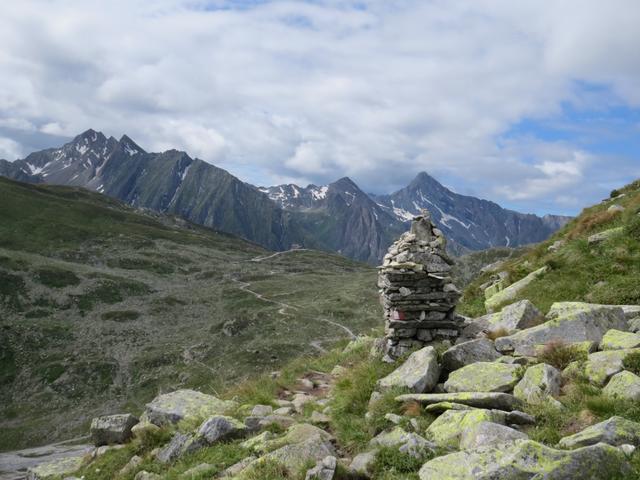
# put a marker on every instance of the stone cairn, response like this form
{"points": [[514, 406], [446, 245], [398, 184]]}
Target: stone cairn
{"points": [[416, 290]]}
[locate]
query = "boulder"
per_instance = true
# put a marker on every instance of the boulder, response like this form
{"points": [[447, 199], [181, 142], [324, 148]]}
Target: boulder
{"points": [[613, 431], [618, 340], [185, 404], [488, 434], [397, 437], [510, 292], [144, 475], [238, 467], [447, 429], [630, 311], [56, 469], [575, 322], [604, 236], [259, 443], [142, 429], [526, 459], [419, 373], [298, 455], [624, 385], [324, 470], [262, 410], [517, 316], [600, 366], [438, 408], [363, 462], [497, 400], [299, 401], [484, 377], [219, 428], [417, 447], [109, 429], [634, 325], [479, 350], [538, 383]]}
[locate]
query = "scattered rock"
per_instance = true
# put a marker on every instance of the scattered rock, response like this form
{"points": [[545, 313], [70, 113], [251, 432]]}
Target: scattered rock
{"points": [[484, 377], [199, 471], [185, 404], [283, 411], [299, 400], [363, 462], [578, 322], [624, 385], [338, 371], [600, 366], [614, 431], [604, 236], [488, 434], [398, 437], [317, 417], [526, 459], [131, 466], [438, 408], [417, 447], [144, 475], [510, 292], [142, 429], [174, 449], [297, 455], [219, 427], [282, 420], [262, 410], [517, 316], [618, 340], [259, 443], [419, 372], [538, 383], [634, 325], [306, 383], [615, 208], [393, 418], [499, 401], [236, 468], [109, 429], [479, 350], [324, 470]]}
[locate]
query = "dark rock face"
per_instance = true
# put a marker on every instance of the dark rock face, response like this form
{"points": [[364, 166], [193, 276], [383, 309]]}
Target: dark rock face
{"points": [[111, 429], [416, 291]]}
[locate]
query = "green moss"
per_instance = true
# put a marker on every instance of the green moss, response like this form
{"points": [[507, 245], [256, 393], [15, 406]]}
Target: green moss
{"points": [[56, 277]]}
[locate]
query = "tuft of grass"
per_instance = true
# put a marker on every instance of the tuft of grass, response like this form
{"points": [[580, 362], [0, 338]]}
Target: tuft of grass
{"points": [[558, 354], [631, 362], [266, 470], [390, 462]]}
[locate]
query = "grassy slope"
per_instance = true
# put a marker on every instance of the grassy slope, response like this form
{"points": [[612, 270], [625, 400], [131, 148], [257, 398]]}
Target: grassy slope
{"points": [[102, 306], [604, 273]]}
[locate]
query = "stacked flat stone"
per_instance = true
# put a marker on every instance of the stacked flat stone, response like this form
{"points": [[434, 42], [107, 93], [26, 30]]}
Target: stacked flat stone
{"points": [[416, 290]]}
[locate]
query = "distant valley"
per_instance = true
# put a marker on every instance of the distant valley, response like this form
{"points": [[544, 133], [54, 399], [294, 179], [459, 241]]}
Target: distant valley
{"points": [[338, 217]]}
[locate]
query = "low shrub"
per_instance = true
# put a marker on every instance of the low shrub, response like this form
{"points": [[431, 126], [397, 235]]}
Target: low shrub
{"points": [[558, 354]]}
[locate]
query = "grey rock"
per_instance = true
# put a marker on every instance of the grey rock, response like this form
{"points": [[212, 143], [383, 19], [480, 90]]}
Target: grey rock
{"points": [[324, 470], [624, 385], [447, 429], [261, 410], [538, 383], [510, 292], [144, 475], [526, 459], [417, 447], [363, 462], [295, 456], [219, 427], [604, 236], [491, 400], [174, 449], [479, 350], [419, 373], [484, 377], [517, 316], [172, 407], [488, 434], [614, 431], [238, 467], [56, 469], [133, 463], [575, 322], [109, 429]]}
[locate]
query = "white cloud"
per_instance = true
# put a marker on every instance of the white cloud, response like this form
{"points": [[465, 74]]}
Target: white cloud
{"points": [[313, 91], [9, 149]]}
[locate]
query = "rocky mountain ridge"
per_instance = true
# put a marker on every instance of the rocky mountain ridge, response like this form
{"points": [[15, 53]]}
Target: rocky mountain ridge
{"points": [[338, 217]]}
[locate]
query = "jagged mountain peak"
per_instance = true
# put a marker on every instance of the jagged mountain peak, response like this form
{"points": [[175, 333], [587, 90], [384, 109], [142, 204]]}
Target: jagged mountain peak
{"points": [[90, 136], [130, 146]]}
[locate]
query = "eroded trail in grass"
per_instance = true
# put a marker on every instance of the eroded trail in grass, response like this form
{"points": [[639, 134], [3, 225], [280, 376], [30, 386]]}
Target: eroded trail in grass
{"points": [[260, 259]]}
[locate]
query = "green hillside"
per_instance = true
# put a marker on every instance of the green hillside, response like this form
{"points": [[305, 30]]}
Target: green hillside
{"points": [[577, 270], [102, 306]]}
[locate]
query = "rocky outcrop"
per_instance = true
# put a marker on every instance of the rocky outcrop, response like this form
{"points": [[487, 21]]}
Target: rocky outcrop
{"points": [[447, 429], [539, 383], [489, 434], [517, 316], [416, 289], [510, 292], [479, 350], [618, 340]]}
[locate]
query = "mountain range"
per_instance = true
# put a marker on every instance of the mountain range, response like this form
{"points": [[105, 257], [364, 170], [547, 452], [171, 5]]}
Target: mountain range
{"points": [[338, 217]]}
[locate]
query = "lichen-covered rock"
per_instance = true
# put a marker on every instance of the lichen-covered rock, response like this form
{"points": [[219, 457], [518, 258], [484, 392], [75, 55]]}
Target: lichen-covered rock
{"points": [[297, 455], [604, 236], [261, 410], [417, 447], [363, 462], [144, 475], [526, 459], [489, 434], [396, 437], [538, 383], [109, 429], [447, 429], [497, 400], [298, 433], [517, 316], [419, 372], [634, 325], [57, 469], [572, 322], [479, 350], [624, 385], [185, 404], [613, 431], [510, 292], [238, 467], [219, 428], [618, 340], [600, 366], [324, 470], [484, 377], [438, 408], [259, 443], [142, 429], [133, 463]]}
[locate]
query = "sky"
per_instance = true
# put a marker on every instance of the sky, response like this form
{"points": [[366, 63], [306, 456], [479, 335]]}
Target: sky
{"points": [[533, 104]]}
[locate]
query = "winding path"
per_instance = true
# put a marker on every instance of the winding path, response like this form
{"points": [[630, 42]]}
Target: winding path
{"points": [[260, 259]]}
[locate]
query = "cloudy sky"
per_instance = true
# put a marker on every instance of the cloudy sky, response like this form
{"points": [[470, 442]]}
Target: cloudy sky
{"points": [[533, 104]]}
